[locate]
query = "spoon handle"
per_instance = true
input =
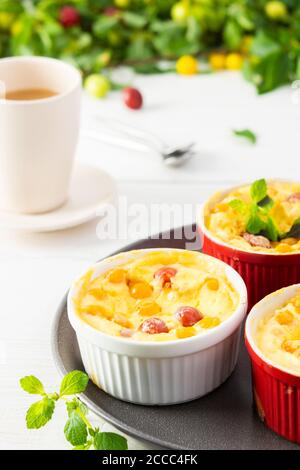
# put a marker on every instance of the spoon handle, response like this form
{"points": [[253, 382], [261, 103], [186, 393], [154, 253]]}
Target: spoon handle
{"points": [[132, 132], [121, 141]]}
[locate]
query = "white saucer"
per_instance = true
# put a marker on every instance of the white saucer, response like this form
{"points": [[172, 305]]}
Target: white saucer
{"points": [[91, 189]]}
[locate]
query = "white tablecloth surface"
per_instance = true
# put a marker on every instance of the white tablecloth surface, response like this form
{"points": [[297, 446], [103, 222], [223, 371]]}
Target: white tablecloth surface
{"points": [[36, 269]]}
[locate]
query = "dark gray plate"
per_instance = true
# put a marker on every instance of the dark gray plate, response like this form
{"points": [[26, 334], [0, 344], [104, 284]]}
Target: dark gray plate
{"points": [[224, 419]]}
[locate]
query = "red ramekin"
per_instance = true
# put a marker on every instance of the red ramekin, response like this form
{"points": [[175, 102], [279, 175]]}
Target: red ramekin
{"points": [[263, 273], [276, 391]]}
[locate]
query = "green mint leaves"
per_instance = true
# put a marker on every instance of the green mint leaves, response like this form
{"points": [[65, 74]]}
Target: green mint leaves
{"points": [[258, 190], [78, 430], [40, 413], [246, 134], [257, 214], [76, 405], [255, 224], [239, 206], [74, 382], [32, 385], [109, 441]]}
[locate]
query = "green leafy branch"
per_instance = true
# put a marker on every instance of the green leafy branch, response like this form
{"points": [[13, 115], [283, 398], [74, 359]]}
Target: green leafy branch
{"points": [[257, 215], [140, 33], [78, 430]]}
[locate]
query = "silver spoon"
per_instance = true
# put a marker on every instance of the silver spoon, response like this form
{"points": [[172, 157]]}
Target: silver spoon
{"points": [[119, 134], [178, 155]]}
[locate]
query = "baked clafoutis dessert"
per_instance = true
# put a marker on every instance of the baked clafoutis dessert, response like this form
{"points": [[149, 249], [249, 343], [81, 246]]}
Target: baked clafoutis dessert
{"points": [[256, 229], [278, 335], [260, 217], [273, 341], [146, 318], [160, 296]]}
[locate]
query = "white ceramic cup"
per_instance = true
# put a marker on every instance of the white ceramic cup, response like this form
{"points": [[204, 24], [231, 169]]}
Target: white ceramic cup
{"points": [[38, 138]]}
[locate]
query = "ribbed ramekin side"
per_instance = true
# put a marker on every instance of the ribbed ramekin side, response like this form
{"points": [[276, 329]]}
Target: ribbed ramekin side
{"points": [[160, 381], [261, 278], [277, 403]]}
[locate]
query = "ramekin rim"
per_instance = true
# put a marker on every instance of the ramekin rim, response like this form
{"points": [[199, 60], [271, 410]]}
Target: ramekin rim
{"points": [[240, 311], [218, 241], [249, 337]]}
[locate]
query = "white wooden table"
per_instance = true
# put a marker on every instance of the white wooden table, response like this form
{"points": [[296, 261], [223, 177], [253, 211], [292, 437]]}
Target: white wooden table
{"points": [[36, 269]]}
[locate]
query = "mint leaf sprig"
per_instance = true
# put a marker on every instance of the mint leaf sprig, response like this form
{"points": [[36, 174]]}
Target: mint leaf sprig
{"points": [[257, 214], [78, 430]]}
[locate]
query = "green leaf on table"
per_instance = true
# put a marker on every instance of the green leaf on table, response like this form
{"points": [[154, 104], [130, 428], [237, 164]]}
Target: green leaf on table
{"points": [[74, 382], [258, 190], [76, 430], [109, 441], [40, 413], [246, 134], [32, 385]]}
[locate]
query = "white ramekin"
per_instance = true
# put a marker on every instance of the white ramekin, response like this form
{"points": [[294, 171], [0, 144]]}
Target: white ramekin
{"points": [[160, 373]]}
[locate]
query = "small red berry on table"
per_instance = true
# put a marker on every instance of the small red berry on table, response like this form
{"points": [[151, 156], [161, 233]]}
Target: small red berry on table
{"points": [[132, 98]]}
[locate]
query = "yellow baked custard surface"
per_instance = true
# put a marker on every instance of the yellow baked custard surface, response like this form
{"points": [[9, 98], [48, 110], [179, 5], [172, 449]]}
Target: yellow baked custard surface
{"points": [[229, 225], [278, 336], [124, 300]]}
